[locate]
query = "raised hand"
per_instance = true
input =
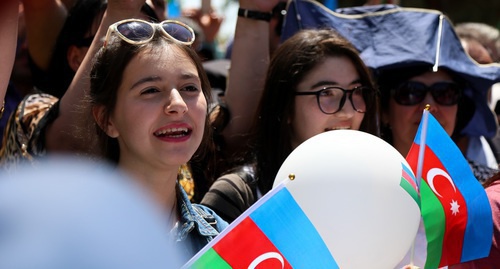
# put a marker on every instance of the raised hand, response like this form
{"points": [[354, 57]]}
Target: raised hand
{"points": [[209, 22]]}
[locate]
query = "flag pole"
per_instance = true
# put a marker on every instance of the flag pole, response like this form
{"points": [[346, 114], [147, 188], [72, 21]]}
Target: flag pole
{"points": [[420, 164], [423, 137]]}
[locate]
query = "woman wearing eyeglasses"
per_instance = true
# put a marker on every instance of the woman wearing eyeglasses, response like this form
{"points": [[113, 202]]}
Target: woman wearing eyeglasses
{"points": [[316, 82], [149, 97]]}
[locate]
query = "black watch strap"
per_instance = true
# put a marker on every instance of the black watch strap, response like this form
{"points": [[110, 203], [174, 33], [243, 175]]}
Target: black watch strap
{"points": [[256, 15]]}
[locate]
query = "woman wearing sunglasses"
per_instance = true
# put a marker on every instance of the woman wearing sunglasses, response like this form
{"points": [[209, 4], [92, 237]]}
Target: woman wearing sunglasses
{"points": [[149, 97], [406, 91], [426, 64], [316, 82]]}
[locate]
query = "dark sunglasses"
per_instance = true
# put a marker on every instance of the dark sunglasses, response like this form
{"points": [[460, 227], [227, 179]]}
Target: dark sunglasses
{"points": [[412, 93], [136, 32]]}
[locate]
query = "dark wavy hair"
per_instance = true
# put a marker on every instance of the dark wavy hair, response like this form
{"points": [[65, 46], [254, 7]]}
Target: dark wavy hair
{"points": [[105, 78], [270, 143]]}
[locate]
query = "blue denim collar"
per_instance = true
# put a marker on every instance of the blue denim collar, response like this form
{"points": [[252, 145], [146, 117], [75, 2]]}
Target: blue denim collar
{"points": [[189, 218]]}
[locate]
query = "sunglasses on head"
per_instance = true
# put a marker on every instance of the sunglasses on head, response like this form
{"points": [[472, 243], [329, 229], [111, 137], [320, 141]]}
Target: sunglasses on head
{"points": [[136, 32], [412, 93]]}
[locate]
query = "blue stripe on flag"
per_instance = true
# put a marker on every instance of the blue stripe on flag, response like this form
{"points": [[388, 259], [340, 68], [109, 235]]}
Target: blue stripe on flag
{"points": [[408, 171], [479, 231], [282, 220]]}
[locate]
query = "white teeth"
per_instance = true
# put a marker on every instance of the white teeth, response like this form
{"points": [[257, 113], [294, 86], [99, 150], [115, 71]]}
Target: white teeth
{"points": [[172, 130], [339, 128]]}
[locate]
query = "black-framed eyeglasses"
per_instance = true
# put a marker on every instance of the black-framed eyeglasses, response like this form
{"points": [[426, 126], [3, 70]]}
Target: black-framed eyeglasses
{"points": [[332, 99], [411, 93], [135, 31]]}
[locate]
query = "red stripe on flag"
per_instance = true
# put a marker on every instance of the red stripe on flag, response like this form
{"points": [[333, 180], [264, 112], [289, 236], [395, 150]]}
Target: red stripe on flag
{"points": [[455, 208], [252, 248], [409, 179]]}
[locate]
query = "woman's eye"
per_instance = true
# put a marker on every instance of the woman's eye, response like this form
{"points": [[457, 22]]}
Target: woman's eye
{"points": [[327, 92], [149, 90], [190, 89]]}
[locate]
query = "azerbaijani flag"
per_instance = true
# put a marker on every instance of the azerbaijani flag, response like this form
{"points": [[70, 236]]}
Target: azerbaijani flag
{"points": [[273, 233], [455, 209], [408, 183]]}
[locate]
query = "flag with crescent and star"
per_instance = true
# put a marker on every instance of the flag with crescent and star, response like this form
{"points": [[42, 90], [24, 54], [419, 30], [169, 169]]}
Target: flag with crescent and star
{"points": [[455, 209], [273, 233]]}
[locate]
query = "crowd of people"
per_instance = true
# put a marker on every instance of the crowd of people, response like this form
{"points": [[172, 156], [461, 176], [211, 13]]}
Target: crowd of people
{"points": [[115, 81]]}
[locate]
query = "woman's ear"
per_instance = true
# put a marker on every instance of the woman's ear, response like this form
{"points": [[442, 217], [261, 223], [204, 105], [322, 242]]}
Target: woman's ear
{"points": [[75, 56], [105, 123]]}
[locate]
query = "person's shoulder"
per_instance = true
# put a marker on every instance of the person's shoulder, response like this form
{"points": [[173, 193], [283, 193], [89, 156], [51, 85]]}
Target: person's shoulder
{"points": [[230, 195], [231, 181], [494, 189], [481, 172], [35, 112], [25, 127], [239, 183], [36, 104]]}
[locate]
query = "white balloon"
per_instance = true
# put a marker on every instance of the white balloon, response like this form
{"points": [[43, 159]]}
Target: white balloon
{"points": [[348, 184]]}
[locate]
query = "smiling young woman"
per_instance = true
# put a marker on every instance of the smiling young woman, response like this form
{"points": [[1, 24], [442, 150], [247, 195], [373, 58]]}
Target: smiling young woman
{"points": [[149, 97]]}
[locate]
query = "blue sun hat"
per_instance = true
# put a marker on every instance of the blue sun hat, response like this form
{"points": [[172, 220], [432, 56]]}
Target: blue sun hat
{"points": [[390, 37]]}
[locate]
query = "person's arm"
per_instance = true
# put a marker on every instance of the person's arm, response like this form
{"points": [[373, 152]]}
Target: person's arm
{"points": [[44, 20], [8, 41], [249, 63], [65, 133]]}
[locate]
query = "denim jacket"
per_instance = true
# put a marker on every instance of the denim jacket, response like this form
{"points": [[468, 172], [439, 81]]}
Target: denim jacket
{"points": [[198, 225]]}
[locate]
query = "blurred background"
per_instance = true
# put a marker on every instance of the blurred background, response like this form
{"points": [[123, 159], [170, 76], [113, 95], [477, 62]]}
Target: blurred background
{"points": [[486, 11]]}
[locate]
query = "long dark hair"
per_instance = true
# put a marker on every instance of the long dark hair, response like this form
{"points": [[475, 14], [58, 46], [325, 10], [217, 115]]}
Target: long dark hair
{"points": [[105, 78], [291, 62]]}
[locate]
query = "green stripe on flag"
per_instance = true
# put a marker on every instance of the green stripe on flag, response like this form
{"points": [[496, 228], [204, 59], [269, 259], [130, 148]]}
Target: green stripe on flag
{"points": [[410, 189], [434, 222], [210, 260]]}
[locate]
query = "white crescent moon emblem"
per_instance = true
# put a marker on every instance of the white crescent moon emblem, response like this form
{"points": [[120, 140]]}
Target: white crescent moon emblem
{"points": [[266, 256], [438, 172]]}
